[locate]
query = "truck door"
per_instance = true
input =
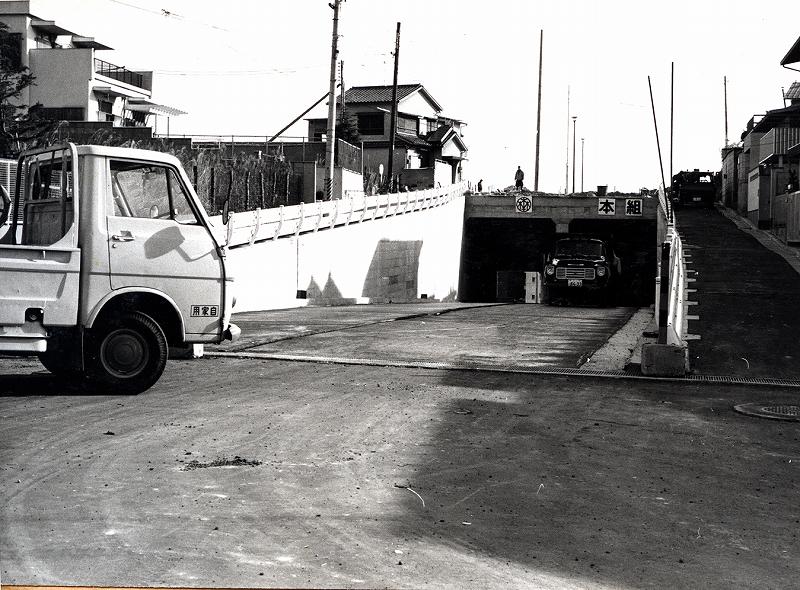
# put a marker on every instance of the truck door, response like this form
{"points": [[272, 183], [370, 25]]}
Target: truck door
{"points": [[156, 239]]}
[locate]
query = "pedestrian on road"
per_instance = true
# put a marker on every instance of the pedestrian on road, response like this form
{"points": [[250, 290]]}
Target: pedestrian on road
{"points": [[480, 185], [519, 177]]}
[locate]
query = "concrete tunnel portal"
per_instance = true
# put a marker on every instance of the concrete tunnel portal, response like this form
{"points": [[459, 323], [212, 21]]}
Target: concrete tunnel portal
{"points": [[500, 243]]}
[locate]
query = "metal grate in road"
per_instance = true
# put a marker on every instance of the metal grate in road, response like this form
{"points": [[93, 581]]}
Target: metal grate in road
{"points": [[509, 368], [785, 412]]}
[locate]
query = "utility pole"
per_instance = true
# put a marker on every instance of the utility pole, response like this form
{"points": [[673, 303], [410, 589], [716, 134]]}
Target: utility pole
{"points": [[393, 122], [725, 91], [330, 148], [566, 173], [538, 115], [581, 164], [671, 118], [574, 121], [341, 93]]}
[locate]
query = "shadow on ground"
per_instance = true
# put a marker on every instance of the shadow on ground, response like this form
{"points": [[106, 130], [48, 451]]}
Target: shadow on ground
{"points": [[674, 490]]}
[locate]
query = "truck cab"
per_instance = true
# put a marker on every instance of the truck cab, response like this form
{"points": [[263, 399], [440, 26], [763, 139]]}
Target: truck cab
{"points": [[107, 259]]}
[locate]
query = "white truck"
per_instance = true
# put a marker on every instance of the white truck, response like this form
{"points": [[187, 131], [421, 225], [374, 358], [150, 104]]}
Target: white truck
{"points": [[107, 259]]}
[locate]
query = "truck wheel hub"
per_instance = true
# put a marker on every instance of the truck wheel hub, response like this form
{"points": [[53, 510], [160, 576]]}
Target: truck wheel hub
{"points": [[124, 353]]}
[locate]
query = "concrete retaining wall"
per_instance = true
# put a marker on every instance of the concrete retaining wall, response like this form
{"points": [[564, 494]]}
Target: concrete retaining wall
{"points": [[400, 258]]}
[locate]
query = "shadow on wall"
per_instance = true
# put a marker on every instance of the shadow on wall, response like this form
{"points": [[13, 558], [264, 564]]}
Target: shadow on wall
{"points": [[393, 274]]}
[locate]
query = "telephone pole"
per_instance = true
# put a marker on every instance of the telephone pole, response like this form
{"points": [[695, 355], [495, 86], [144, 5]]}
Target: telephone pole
{"points": [[566, 173], [581, 164], [538, 114], [393, 122], [330, 148]]}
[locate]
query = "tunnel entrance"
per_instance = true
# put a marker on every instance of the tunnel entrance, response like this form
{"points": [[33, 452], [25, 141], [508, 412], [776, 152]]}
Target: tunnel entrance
{"points": [[496, 253]]}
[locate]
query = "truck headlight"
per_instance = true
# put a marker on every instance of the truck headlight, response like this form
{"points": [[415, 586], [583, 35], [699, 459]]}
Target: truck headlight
{"points": [[601, 271], [550, 270]]}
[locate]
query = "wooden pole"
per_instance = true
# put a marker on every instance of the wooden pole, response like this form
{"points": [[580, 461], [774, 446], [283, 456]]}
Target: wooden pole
{"points": [[538, 114], [393, 122]]}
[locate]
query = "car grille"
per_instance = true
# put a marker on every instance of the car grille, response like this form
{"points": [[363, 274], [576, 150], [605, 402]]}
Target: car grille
{"points": [[574, 273]]}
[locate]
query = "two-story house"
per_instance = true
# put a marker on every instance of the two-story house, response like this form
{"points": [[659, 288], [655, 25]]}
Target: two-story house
{"points": [[429, 147], [72, 83]]}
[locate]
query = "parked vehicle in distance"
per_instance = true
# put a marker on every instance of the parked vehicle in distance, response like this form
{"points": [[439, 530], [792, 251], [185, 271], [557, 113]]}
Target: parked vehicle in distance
{"points": [[579, 268], [108, 260], [693, 187]]}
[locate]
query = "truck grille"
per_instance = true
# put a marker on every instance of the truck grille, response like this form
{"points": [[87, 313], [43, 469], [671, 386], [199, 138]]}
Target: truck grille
{"points": [[575, 273]]}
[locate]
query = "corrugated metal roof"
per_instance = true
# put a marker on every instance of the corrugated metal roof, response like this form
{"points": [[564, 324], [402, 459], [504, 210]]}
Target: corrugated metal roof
{"points": [[794, 91]]}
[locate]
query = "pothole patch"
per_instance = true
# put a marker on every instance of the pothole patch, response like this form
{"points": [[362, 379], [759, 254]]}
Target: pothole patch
{"points": [[236, 461], [786, 412]]}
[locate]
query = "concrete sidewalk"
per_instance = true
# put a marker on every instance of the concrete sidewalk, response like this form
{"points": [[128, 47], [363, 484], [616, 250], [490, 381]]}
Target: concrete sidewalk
{"points": [[747, 299]]}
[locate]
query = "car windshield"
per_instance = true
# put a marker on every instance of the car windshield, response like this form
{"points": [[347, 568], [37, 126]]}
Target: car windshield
{"points": [[589, 248]]}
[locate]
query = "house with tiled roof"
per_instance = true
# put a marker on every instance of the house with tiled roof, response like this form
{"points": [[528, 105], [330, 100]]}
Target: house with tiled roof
{"points": [[429, 147]]}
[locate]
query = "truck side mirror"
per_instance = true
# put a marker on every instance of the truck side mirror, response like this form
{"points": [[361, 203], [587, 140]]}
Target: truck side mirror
{"points": [[5, 204]]}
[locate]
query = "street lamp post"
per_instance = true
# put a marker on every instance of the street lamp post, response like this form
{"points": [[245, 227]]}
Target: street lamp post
{"points": [[581, 164], [574, 120]]}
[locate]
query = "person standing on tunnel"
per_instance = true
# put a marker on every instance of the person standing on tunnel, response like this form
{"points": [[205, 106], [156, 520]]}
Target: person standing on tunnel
{"points": [[519, 177]]}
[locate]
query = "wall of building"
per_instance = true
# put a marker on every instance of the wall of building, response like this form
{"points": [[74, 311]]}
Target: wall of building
{"points": [[417, 105], [400, 258], [62, 77]]}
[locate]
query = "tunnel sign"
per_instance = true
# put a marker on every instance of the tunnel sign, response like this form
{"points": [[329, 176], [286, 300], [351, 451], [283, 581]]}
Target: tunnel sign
{"points": [[633, 207], [523, 204], [606, 206]]}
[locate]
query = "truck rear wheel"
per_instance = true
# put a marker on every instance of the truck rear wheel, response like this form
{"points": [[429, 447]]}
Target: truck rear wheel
{"points": [[128, 352]]}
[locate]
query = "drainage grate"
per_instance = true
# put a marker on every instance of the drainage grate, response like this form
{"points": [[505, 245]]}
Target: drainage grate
{"points": [[773, 411]]}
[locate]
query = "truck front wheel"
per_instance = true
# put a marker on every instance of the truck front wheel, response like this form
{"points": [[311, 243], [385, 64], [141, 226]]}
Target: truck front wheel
{"points": [[128, 352]]}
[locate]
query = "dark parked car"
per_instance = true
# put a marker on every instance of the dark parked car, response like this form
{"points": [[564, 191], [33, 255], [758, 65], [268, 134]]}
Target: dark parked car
{"points": [[580, 268]]}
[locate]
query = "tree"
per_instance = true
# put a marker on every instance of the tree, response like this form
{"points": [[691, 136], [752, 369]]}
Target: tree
{"points": [[347, 128], [21, 125]]}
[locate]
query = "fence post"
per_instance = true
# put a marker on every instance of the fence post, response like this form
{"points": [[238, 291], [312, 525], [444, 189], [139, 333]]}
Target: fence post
{"points": [[230, 188], [212, 198], [261, 189], [247, 191], [663, 302]]}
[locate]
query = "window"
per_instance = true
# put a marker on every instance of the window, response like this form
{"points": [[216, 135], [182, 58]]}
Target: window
{"points": [[407, 125], [370, 123], [10, 48], [432, 125], [149, 190]]}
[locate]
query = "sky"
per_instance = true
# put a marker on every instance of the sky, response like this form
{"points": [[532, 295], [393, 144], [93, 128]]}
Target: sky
{"points": [[248, 67]]}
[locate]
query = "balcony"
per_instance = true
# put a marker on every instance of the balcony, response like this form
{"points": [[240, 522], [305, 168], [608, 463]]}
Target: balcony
{"points": [[777, 142], [119, 73]]}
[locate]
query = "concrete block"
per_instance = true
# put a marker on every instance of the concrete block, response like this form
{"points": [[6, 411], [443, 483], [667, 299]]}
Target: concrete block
{"points": [[189, 351], [664, 360]]}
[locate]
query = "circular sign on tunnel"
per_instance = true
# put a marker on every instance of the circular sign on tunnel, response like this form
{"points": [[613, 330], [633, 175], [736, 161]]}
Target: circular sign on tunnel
{"points": [[523, 204]]}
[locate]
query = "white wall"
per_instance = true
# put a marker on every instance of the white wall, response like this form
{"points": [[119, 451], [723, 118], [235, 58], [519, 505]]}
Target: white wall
{"points": [[396, 258], [417, 105]]}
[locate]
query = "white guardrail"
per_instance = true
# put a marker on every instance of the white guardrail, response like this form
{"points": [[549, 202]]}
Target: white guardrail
{"points": [[250, 227], [671, 314]]}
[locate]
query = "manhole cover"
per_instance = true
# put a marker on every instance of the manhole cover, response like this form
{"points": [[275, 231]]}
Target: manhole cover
{"points": [[774, 411]]}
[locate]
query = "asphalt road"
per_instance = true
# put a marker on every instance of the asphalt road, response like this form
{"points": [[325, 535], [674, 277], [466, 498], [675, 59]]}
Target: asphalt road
{"points": [[747, 301], [263, 473]]}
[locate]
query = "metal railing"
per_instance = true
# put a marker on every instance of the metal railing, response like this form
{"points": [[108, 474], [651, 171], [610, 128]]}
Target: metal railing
{"points": [[118, 73], [246, 229], [671, 281]]}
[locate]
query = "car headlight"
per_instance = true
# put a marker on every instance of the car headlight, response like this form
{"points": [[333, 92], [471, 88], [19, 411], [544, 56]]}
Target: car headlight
{"points": [[550, 270], [601, 271]]}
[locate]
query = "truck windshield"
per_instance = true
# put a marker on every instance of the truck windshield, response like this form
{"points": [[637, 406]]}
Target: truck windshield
{"points": [[588, 248]]}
